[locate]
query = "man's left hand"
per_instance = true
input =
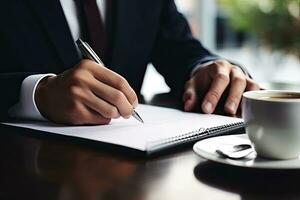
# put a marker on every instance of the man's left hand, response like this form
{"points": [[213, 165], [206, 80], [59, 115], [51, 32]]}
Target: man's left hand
{"points": [[208, 84]]}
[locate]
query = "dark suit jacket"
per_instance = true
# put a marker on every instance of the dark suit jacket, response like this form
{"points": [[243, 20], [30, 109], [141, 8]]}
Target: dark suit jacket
{"points": [[35, 38]]}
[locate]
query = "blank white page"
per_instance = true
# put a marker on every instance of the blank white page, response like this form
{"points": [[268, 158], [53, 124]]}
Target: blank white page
{"points": [[160, 123]]}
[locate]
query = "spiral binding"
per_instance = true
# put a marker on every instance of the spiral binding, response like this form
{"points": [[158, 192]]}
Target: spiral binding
{"points": [[194, 135]]}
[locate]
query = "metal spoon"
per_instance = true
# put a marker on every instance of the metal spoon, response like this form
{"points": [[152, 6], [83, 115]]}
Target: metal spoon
{"points": [[236, 152]]}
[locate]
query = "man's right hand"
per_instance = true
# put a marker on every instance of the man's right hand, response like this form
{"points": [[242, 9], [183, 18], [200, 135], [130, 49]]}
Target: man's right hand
{"points": [[86, 94]]}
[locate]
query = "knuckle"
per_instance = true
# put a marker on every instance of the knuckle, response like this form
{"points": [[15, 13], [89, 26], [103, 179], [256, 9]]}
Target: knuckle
{"points": [[214, 96], [121, 83], [222, 76], [237, 68], [239, 79], [118, 97], [110, 112], [215, 66], [75, 75], [75, 92], [127, 112], [75, 79], [132, 97], [234, 98], [221, 62], [79, 77]]}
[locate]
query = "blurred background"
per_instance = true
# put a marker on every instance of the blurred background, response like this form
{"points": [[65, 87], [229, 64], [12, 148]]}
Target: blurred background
{"points": [[261, 35]]}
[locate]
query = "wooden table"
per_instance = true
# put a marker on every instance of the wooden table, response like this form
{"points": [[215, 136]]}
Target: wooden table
{"points": [[39, 168]]}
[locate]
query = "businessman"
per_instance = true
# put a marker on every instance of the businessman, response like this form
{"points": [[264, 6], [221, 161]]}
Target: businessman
{"points": [[43, 75]]}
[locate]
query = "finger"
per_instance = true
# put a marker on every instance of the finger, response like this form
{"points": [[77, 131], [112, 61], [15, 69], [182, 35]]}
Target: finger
{"points": [[252, 85], [189, 98], [92, 118], [237, 88], [113, 97], [118, 82], [218, 86], [100, 106], [81, 115]]}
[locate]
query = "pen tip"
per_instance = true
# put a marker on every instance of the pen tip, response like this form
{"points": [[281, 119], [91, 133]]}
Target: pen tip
{"points": [[137, 116], [140, 119]]}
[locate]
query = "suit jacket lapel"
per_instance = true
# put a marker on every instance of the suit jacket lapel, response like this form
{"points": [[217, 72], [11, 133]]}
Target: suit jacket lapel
{"points": [[52, 19]]}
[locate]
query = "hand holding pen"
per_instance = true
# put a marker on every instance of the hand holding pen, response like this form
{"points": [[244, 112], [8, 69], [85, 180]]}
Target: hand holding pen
{"points": [[87, 93], [89, 53]]}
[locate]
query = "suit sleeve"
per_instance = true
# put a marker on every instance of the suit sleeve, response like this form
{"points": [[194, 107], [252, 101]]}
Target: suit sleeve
{"points": [[176, 51], [11, 77], [10, 85]]}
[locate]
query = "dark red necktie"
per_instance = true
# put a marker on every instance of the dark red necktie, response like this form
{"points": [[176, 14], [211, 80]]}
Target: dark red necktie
{"points": [[95, 27]]}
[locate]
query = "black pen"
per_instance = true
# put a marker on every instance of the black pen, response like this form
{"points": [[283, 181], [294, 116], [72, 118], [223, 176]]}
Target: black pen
{"points": [[89, 53]]}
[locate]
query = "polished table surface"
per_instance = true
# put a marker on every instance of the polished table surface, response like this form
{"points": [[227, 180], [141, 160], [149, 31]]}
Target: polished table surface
{"points": [[47, 168], [43, 168]]}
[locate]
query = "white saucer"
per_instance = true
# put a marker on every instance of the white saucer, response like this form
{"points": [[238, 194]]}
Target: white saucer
{"points": [[207, 149]]}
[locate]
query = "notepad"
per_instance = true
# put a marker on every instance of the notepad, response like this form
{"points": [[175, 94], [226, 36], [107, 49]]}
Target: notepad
{"points": [[163, 128]]}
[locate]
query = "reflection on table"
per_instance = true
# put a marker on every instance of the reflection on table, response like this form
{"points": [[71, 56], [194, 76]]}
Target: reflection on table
{"points": [[37, 167]]}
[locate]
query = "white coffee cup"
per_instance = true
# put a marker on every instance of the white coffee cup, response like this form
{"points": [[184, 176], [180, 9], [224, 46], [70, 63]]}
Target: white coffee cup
{"points": [[272, 121]]}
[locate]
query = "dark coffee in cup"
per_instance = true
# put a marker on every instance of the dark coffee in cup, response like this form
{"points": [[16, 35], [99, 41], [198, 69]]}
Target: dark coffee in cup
{"points": [[278, 97]]}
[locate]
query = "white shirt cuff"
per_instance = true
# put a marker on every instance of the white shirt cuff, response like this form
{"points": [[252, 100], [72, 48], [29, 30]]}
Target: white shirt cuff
{"points": [[26, 108]]}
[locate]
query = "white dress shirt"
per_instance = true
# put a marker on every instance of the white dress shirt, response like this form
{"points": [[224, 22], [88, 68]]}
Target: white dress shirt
{"points": [[26, 108]]}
